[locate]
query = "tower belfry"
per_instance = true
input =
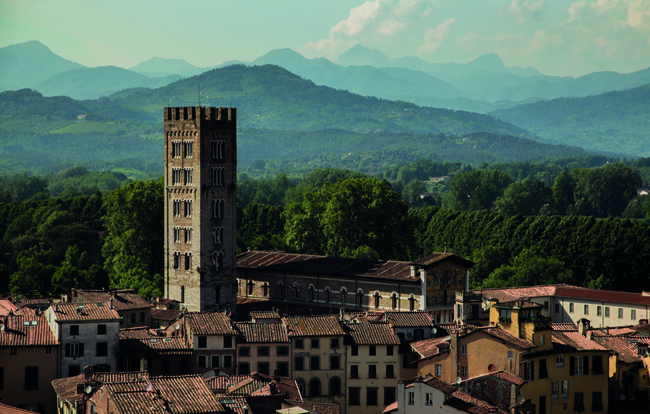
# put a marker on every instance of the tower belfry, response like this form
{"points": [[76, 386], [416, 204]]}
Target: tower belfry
{"points": [[200, 207]]}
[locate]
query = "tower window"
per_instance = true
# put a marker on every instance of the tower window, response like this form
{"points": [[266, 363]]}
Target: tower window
{"points": [[188, 260], [188, 147], [188, 235], [177, 260], [281, 290], [217, 260], [393, 299], [177, 208], [327, 294], [216, 235], [188, 176], [217, 208], [360, 298], [217, 149], [217, 177], [176, 149], [177, 176], [188, 208], [177, 234], [411, 303]]}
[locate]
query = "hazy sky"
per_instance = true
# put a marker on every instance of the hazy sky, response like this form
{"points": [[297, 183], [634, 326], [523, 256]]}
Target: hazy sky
{"points": [[555, 36]]}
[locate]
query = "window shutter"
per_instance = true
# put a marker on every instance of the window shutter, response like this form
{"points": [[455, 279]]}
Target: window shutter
{"points": [[572, 365], [67, 350], [597, 365], [532, 370], [543, 372], [81, 349], [585, 362]]}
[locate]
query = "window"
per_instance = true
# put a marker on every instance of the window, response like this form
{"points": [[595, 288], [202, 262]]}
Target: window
{"points": [[579, 365], [263, 351], [281, 290], [389, 350], [48, 351], [371, 396], [283, 368], [295, 291], [299, 344], [543, 372], [390, 371], [372, 350], [217, 208], [315, 343], [463, 349], [438, 370], [354, 371], [188, 176], [314, 387], [429, 398], [244, 368], [188, 261], [335, 386], [177, 176], [411, 398], [393, 299], [586, 310], [301, 385], [528, 370], [227, 341], [633, 314], [557, 308], [542, 339], [565, 389], [555, 390], [360, 298], [344, 294], [299, 363], [372, 371], [599, 310], [216, 361], [188, 208], [74, 330], [620, 313], [74, 350], [203, 341], [244, 351], [607, 311], [182, 294], [377, 298], [389, 395], [227, 361], [570, 307], [597, 365], [282, 351], [188, 235], [102, 349], [101, 329], [559, 360], [263, 368], [314, 362], [177, 260], [411, 303], [177, 208], [335, 362], [354, 396], [187, 149], [176, 149], [597, 401], [177, 234], [216, 235], [202, 361], [463, 370], [327, 295], [354, 350], [578, 402], [133, 317], [510, 354], [334, 343], [217, 149], [31, 350], [31, 378], [546, 304]]}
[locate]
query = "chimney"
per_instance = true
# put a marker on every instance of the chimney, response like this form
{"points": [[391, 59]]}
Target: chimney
{"points": [[643, 321], [88, 372], [80, 388], [414, 270], [583, 326], [113, 292], [110, 303], [73, 294]]}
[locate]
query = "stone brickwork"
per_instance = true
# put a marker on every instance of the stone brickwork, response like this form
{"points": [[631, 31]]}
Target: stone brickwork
{"points": [[200, 207]]}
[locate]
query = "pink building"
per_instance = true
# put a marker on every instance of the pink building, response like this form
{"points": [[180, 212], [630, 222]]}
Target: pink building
{"points": [[263, 348]]}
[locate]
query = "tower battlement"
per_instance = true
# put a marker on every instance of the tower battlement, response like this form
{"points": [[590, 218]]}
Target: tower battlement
{"points": [[192, 113]]}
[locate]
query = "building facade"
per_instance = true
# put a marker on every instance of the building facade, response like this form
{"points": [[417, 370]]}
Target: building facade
{"points": [[200, 207], [264, 348]]}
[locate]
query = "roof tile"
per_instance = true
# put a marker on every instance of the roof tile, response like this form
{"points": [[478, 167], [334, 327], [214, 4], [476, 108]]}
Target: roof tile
{"points": [[123, 300], [210, 323], [250, 332], [371, 333], [26, 330], [317, 325], [73, 312]]}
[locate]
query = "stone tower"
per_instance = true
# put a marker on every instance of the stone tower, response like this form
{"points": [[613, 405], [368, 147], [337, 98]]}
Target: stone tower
{"points": [[200, 207]]}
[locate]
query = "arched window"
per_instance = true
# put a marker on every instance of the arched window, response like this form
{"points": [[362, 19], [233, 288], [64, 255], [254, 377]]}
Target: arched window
{"points": [[301, 385], [311, 293], [182, 294], [217, 208], [344, 294], [335, 386], [216, 235], [377, 298], [359, 298], [217, 295], [188, 260], [393, 299], [411, 302], [250, 287], [295, 291], [327, 294], [217, 260], [281, 290], [177, 260], [265, 289], [314, 387]]}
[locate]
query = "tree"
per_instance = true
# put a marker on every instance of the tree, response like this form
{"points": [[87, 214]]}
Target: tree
{"points": [[530, 268], [607, 190], [563, 192], [476, 190], [412, 191], [32, 276], [133, 247], [516, 199], [347, 215]]}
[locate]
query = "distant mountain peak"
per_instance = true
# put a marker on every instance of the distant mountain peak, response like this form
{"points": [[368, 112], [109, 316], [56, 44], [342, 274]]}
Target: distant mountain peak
{"points": [[489, 61], [359, 55], [157, 64]]}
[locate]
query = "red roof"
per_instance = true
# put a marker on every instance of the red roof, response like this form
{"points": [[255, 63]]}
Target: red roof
{"points": [[564, 327], [8, 409], [66, 388], [254, 384], [250, 332], [431, 347], [502, 375], [210, 323], [625, 347], [506, 336], [390, 408], [576, 341], [408, 319], [123, 300], [26, 330], [165, 314], [264, 315], [315, 408], [440, 386], [519, 304], [7, 307], [73, 312], [371, 333], [565, 291], [316, 325]]}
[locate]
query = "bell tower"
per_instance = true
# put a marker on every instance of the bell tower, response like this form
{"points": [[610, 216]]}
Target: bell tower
{"points": [[200, 207]]}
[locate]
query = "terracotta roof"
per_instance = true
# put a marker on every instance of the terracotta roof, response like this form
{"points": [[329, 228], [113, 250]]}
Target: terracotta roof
{"points": [[8, 409], [644, 328], [232, 404], [177, 394], [302, 263], [428, 348], [371, 333], [480, 406], [223, 382], [564, 327], [7, 307], [512, 293], [576, 341], [166, 346], [255, 384], [165, 314], [317, 325], [434, 258], [72, 312], [506, 336], [123, 300], [408, 319], [390, 408], [519, 304], [210, 323], [141, 333], [66, 388], [502, 375], [625, 347], [452, 327], [250, 332], [26, 330], [264, 315], [316, 408], [440, 386]]}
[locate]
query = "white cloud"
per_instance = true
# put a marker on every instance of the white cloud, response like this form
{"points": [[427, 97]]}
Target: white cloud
{"points": [[638, 14], [374, 20], [524, 11], [433, 37]]}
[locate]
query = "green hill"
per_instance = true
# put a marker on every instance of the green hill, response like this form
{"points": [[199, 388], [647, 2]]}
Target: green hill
{"points": [[614, 121]]}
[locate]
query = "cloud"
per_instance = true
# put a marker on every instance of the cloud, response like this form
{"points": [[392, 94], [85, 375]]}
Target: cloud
{"points": [[524, 11], [433, 37], [638, 14], [374, 20]]}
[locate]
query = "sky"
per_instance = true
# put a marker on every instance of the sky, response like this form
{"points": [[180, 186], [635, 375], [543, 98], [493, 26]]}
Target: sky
{"points": [[557, 37]]}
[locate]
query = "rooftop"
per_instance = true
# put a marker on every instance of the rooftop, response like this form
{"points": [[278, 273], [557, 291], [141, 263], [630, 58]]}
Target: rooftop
{"points": [[408, 319], [7, 307], [316, 325], [141, 341], [506, 336], [315, 408], [431, 347], [574, 340], [165, 314], [122, 299], [625, 347], [251, 332], [264, 315], [26, 330], [519, 304], [210, 323], [73, 312], [371, 333]]}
